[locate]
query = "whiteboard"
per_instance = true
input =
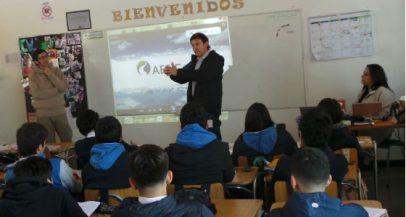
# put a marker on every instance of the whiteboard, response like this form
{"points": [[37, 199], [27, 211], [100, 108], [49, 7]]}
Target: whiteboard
{"points": [[267, 64], [268, 61]]}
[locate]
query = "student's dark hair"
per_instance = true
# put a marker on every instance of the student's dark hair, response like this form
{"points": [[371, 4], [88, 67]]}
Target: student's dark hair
{"points": [[193, 112], [315, 128], [86, 121], [34, 167], [108, 130], [331, 107], [149, 165], [201, 36], [310, 166], [36, 53], [257, 118], [29, 137]]}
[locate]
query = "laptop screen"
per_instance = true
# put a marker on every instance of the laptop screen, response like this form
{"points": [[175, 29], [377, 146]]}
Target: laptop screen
{"points": [[304, 110], [367, 109]]}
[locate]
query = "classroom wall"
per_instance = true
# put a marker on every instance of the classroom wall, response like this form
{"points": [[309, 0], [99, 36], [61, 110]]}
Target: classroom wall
{"points": [[336, 78]]}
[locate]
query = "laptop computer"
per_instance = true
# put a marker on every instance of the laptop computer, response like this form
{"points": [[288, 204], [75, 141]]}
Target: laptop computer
{"points": [[305, 109], [367, 109]]}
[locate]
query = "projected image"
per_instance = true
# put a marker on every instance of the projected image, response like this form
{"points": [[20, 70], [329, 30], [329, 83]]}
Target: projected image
{"points": [[138, 56]]}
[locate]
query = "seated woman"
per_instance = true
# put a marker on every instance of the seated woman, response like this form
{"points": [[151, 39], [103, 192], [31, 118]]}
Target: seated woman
{"points": [[376, 89], [261, 137]]}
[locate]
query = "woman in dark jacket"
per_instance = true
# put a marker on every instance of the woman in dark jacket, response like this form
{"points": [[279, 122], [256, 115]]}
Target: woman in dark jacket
{"points": [[261, 138]]}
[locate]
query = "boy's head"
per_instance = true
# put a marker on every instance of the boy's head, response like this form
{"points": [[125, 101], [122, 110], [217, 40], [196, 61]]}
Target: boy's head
{"points": [[191, 113], [108, 130], [34, 167], [31, 138], [315, 128], [332, 108], [150, 168], [86, 121], [310, 170]]}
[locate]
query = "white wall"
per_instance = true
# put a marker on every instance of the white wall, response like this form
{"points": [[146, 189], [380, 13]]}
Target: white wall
{"points": [[337, 78]]}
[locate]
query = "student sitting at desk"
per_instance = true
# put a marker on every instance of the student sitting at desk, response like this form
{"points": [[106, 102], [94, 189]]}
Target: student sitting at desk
{"points": [[310, 174], [30, 193], [261, 137], [108, 166], [150, 175], [31, 141], [341, 136], [86, 122], [198, 157], [315, 131]]}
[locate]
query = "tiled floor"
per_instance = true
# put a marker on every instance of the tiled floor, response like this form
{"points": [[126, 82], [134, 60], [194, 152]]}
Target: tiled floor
{"points": [[391, 188]]}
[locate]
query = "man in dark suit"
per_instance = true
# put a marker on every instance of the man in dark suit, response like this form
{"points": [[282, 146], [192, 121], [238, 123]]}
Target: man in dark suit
{"points": [[204, 73]]}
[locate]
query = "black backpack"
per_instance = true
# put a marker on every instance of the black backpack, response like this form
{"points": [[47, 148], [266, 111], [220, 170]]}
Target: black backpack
{"points": [[200, 195]]}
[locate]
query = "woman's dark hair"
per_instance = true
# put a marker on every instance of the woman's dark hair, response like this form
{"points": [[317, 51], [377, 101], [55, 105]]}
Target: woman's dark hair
{"points": [[331, 107], [257, 118], [378, 77]]}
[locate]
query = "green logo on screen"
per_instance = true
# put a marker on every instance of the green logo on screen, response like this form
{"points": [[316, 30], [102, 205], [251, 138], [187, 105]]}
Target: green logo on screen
{"points": [[143, 67]]}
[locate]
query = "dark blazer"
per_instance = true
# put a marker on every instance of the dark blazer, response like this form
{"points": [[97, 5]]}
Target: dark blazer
{"points": [[209, 164], [82, 149], [209, 88], [317, 204], [170, 206], [30, 197]]}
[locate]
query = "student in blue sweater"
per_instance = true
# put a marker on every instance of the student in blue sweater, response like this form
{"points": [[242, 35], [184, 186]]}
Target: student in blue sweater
{"points": [[31, 141], [310, 171], [108, 166]]}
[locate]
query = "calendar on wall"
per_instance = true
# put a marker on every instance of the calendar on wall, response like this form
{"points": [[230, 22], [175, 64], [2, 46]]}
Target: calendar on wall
{"points": [[341, 35]]}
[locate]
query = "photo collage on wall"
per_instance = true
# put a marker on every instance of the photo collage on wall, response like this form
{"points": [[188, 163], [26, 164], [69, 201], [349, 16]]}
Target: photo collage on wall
{"points": [[65, 52]]}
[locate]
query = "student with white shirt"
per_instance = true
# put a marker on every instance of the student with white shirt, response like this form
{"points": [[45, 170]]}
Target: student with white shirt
{"points": [[205, 74], [150, 174]]}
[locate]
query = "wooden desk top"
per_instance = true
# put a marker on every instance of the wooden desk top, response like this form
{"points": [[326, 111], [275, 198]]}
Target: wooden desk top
{"points": [[378, 125], [363, 203], [242, 177], [237, 207], [59, 147]]}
